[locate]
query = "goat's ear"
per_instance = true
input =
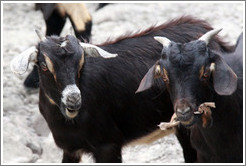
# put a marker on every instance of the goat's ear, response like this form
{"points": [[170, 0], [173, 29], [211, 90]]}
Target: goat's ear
{"points": [[94, 51], [225, 80], [148, 80], [20, 63]]}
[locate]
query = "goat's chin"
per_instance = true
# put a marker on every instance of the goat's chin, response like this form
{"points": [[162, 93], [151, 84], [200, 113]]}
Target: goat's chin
{"points": [[193, 120]]}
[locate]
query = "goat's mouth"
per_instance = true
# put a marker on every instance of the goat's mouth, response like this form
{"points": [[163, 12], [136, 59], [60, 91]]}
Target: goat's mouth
{"points": [[187, 121], [190, 120], [70, 113], [202, 114]]}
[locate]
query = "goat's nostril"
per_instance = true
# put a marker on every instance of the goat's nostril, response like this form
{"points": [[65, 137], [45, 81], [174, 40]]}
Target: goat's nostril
{"points": [[179, 111], [184, 110], [74, 98]]}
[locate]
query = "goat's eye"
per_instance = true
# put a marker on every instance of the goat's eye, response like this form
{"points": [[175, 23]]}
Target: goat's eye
{"points": [[43, 66]]}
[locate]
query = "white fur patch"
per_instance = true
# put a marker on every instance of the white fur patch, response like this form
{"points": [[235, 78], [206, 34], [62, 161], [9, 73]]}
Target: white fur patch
{"points": [[63, 44], [69, 90], [212, 67]]}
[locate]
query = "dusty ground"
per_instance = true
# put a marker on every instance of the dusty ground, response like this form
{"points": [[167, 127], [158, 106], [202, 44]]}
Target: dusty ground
{"points": [[26, 138]]}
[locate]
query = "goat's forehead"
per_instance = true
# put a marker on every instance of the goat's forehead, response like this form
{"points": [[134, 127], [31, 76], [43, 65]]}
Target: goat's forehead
{"points": [[186, 54], [190, 47], [184, 63], [56, 40], [60, 47]]}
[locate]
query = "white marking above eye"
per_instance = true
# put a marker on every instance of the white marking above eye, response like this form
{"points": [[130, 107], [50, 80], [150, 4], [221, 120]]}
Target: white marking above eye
{"points": [[63, 44], [212, 67]]}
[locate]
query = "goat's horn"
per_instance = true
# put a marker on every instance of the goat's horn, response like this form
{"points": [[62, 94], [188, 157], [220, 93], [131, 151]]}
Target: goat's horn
{"points": [[163, 40], [41, 37], [70, 30], [207, 36]]}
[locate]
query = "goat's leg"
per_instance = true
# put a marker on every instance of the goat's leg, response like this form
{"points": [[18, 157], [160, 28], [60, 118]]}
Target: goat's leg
{"points": [[110, 153], [71, 157]]}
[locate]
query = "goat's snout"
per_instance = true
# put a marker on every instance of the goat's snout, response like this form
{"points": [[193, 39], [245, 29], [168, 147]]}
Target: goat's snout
{"points": [[71, 99], [183, 111]]}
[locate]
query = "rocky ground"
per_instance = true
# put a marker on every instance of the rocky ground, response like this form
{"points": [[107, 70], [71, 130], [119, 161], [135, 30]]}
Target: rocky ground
{"points": [[26, 138]]}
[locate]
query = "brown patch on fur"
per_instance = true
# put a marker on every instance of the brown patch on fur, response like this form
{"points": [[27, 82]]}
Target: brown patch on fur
{"points": [[201, 71], [50, 100], [77, 12], [50, 65], [165, 76], [207, 113], [81, 63], [206, 118]]}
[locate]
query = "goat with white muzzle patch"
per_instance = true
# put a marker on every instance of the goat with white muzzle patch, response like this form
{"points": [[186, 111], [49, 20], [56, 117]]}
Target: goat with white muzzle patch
{"points": [[55, 15]]}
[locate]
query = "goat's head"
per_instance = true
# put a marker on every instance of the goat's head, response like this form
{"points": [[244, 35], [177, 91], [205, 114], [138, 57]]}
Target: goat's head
{"points": [[192, 74], [60, 61]]}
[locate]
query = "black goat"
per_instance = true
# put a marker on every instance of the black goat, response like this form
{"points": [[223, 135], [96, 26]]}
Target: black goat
{"points": [[90, 103], [200, 71], [55, 15]]}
